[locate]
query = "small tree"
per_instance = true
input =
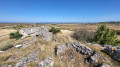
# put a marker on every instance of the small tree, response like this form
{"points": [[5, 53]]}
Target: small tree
{"points": [[106, 36], [54, 30]]}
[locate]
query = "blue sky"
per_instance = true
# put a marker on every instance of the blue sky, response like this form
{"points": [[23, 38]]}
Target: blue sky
{"points": [[59, 10]]}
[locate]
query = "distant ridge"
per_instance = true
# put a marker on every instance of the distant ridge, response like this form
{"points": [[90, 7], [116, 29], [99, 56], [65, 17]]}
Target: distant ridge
{"points": [[108, 22]]}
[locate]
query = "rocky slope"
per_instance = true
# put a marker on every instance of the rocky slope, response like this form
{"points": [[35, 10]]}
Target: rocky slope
{"points": [[44, 49]]}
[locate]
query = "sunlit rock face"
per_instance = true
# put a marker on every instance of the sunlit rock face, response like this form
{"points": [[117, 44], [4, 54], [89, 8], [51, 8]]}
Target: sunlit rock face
{"points": [[37, 31]]}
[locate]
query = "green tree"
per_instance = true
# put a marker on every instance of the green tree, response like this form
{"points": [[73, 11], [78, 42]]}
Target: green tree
{"points": [[106, 36]]}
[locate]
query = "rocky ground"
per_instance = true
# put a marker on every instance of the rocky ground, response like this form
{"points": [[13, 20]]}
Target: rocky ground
{"points": [[41, 48]]}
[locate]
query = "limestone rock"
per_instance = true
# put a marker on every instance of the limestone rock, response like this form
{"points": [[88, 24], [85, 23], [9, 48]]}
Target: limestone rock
{"points": [[26, 43], [48, 62], [83, 49], [29, 58], [69, 45], [37, 31], [113, 51], [59, 49]]}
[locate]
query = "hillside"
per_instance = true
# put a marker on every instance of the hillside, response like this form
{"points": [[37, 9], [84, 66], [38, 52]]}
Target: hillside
{"points": [[42, 48]]}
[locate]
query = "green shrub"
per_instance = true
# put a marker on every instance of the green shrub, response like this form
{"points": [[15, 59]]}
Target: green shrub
{"points": [[15, 35], [6, 47], [84, 35], [106, 36], [54, 30]]}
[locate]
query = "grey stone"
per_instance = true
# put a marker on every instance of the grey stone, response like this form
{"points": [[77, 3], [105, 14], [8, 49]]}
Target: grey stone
{"points": [[48, 62], [59, 49], [115, 54], [37, 31], [69, 45], [81, 48], [27, 43], [29, 58]]}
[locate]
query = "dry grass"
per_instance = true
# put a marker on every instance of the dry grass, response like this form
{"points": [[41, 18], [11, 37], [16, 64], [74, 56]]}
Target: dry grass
{"points": [[46, 48], [118, 37], [6, 31]]}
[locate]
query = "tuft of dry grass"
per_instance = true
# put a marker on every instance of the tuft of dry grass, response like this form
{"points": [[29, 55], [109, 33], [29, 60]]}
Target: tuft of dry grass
{"points": [[32, 64]]}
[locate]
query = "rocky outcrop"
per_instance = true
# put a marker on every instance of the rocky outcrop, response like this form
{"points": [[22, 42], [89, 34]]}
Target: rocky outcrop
{"points": [[113, 51], [91, 56], [37, 31], [29, 58], [81, 48], [48, 62]]}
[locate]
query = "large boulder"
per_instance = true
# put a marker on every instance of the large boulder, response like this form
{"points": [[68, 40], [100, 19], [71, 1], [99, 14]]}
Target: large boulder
{"points": [[48, 62], [37, 31]]}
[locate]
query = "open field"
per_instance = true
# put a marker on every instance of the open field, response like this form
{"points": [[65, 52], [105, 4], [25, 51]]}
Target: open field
{"points": [[90, 27]]}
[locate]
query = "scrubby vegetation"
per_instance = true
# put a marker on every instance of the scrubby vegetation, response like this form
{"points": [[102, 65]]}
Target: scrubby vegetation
{"points": [[54, 30], [6, 47], [84, 35], [106, 36], [103, 36], [15, 35]]}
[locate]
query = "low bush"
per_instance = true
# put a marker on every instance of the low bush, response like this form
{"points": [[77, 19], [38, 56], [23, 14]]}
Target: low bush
{"points": [[54, 30], [15, 35], [6, 47], [84, 35]]}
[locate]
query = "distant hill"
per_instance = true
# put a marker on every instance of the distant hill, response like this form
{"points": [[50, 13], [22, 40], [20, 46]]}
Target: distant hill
{"points": [[112, 22]]}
